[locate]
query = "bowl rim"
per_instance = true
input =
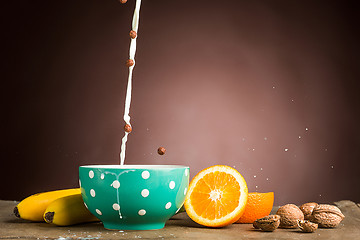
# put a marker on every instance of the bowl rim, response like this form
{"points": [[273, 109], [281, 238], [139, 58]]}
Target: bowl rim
{"points": [[134, 166]]}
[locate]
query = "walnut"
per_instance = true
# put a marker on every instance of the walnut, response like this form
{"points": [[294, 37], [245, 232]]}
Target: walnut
{"points": [[307, 209], [307, 226], [289, 214], [268, 223], [327, 216]]}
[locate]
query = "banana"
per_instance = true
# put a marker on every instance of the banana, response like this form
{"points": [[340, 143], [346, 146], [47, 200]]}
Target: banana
{"points": [[67, 211], [33, 207]]}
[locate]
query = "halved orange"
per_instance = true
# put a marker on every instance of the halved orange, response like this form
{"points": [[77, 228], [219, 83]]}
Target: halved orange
{"points": [[216, 197], [258, 205]]}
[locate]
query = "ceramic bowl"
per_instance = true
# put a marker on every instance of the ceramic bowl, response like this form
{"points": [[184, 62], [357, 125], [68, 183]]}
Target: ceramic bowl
{"points": [[133, 197]]}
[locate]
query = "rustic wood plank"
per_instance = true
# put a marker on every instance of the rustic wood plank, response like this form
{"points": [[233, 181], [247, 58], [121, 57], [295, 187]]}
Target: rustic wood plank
{"points": [[179, 227]]}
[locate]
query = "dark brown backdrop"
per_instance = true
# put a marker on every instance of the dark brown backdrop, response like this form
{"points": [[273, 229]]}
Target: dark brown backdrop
{"points": [[268, 87]]}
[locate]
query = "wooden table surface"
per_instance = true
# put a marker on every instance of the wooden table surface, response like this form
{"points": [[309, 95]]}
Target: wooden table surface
{"points": [[179, 227]]}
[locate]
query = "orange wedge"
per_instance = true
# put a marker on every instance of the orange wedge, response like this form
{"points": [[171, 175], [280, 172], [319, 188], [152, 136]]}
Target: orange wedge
{"points": [[216, 197], [258, 205]]}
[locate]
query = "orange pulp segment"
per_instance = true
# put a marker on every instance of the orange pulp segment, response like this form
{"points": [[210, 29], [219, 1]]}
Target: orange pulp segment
{"points": [[216, 197]]}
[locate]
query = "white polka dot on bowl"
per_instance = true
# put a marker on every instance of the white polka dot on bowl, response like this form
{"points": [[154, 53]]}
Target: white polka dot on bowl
{"points": [[91, 174], [145, 193], [145, 174], [116, 206], [168, 205], [142, 212], [92, 192], [98, 211], [115, 184], [172, 185]]}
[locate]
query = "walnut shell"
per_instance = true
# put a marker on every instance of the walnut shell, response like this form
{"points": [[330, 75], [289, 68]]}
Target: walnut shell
{"points": [[307, 209], [268, 223], [289, 214], [327, 216], [307, 226], [256, 225]]}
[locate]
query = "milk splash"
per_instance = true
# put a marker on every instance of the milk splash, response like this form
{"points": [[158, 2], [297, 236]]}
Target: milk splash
{"points": [[132, 50]]}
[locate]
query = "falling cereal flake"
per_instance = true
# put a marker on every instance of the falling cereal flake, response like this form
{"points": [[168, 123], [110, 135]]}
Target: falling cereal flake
{"points": [[261, 169], [299, 136], [267, 179], [306, 129], [256, 186], [254, 176], [253, 149], [332, 166], [265, 138], [286, 149]]}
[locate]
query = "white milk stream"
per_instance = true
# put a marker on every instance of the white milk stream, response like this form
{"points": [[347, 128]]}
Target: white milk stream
{"points": [[135, 26]]}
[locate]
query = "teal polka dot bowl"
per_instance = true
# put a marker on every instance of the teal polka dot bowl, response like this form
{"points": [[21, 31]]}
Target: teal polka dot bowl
{"points": [[133, 197]]}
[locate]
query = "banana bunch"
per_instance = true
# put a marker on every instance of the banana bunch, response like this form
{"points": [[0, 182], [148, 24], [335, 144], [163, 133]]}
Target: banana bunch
{"points": [[61, 207]]}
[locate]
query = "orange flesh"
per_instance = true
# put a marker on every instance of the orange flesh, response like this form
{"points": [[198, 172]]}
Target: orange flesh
{"points": [[214, 194]]}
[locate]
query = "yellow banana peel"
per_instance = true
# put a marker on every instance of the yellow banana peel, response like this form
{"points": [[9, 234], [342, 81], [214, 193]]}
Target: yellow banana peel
{"points": [[33, 207], [67, 211]]}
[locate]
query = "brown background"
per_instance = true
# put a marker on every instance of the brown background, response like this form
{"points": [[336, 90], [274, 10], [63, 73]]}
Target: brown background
{"points": [[268, 87]]}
